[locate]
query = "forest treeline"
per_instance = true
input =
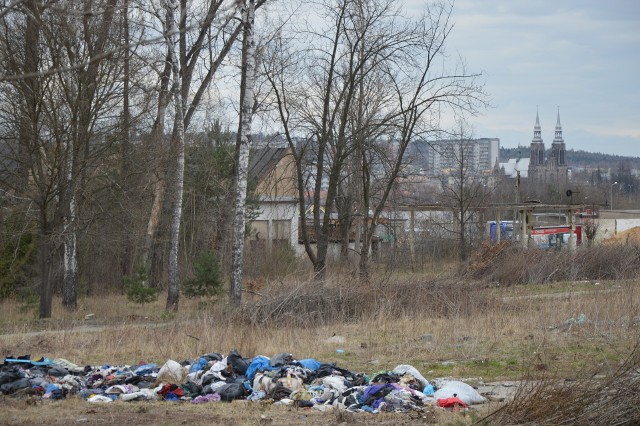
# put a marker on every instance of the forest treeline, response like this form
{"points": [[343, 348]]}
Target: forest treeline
{"points": [[126, 127]]}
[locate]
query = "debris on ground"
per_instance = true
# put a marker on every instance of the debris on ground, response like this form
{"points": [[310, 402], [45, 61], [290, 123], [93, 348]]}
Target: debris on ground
{"points": [[581, 320], [212, 377]]}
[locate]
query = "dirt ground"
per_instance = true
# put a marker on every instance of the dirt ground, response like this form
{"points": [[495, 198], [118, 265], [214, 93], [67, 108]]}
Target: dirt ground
{"points": [[75, 411], [29, 410]]}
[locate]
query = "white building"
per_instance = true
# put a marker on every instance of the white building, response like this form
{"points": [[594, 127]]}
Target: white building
{"points": [[449, 154]]}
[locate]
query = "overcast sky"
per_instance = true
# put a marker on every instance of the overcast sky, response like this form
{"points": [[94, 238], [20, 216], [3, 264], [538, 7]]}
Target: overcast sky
{"points": [[580, 55]]}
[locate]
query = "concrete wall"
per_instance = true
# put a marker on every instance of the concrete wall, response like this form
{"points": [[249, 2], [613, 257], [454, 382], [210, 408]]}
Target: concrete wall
{"points": [[609, 227], [271, 211]]}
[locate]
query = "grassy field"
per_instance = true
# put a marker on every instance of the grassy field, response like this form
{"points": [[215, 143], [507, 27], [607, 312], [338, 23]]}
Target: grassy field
{"points": [[472, 331], [493, 333]]}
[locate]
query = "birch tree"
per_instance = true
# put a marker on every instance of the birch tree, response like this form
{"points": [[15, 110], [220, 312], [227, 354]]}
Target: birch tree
{"points": [[186, 65], [173, 295], [243, 144], [205, 34], [88, 95]]}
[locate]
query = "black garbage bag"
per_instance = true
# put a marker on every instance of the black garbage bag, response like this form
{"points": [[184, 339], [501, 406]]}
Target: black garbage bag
{"points": [[56, 371], [214, 356], [238, 363], [231, 391], [11, 387], [10, 374]]}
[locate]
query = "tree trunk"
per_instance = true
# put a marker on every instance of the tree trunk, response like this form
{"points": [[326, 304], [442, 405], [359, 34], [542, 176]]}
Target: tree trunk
{"points": [[159, 185], [70, 247], [462, 247], [242, 151], [320, 267], [364, 258], [127, 240], [173, 295], [44, 266], [70, 280], [345, 210]]}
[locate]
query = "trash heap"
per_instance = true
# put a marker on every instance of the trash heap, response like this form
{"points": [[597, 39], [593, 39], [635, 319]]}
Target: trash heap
{"points": [[213, 377]]}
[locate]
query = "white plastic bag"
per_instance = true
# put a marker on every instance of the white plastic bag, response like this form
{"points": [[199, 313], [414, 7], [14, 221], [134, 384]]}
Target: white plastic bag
{"points": [[465, 392], [172, 372], [409, 369]]}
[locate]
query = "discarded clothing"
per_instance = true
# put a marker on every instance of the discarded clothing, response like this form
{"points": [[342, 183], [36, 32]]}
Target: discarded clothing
{"points": [[282, 379], [451, 402]]}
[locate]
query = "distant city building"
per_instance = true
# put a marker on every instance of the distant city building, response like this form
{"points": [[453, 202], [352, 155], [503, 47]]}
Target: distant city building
{"points": [[551, 169], [443, 156], [515, 165]]}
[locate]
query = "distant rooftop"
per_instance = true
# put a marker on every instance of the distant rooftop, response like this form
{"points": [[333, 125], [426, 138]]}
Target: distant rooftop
{"points": [[513, 165]]}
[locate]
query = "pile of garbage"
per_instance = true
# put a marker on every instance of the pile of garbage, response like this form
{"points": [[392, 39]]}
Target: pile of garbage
{"points": [[213, 377]]}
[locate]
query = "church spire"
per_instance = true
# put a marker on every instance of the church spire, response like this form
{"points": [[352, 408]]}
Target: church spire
{"points": [[537, 131], [558, 138], [537, 146]]}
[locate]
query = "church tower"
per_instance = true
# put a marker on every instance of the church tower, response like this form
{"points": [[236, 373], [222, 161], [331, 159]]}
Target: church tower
{"points": [[557, 147], [558, 163], [536, 161], [552, 170]]}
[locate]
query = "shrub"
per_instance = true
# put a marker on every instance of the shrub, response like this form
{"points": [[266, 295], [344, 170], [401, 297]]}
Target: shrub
{"points": [[207, 279], [512, 265], [137, 292], [310, 303], [17, 263]]}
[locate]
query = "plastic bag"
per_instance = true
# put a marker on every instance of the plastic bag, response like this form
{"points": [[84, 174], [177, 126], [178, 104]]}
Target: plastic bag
{"points": [[409, 369], [462, 390], [172, 372]]}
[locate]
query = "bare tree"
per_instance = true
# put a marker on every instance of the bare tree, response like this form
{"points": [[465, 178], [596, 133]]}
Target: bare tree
{"points": [[464, 191], [368, 87], [173, 295], [313, 106], [204, 39], [61, 114], [243, 145], [84, 115]]}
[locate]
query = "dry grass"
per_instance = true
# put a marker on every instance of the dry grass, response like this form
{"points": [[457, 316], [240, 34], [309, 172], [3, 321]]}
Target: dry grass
{"points": [[483, 332], [507, 264], [611, 399], [442, 326], [309, 304], [76, 411]]}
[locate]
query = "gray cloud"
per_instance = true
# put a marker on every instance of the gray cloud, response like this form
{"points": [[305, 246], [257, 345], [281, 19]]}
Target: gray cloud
{"points": [[581, 55]]}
